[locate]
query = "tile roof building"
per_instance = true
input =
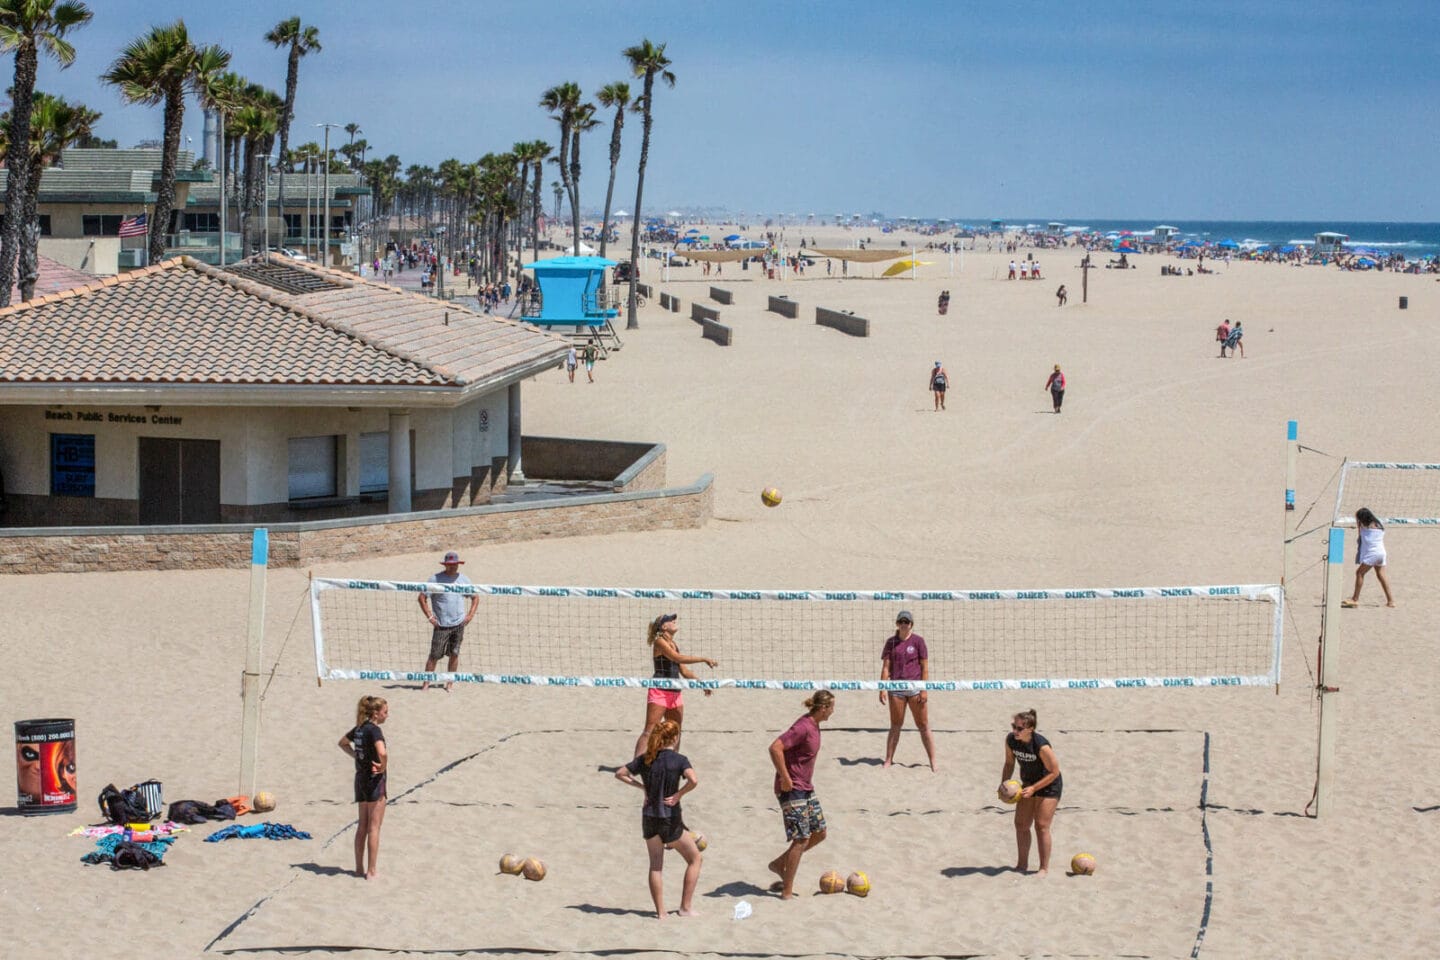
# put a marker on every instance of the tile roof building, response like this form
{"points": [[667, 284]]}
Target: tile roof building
{"points": [[264, 392]]}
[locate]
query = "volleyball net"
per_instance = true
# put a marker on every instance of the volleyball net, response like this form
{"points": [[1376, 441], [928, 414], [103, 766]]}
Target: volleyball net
{"points": [[1398, 494], [1187, 636]]}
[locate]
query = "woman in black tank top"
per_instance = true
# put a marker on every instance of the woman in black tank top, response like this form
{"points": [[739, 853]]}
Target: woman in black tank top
{"points": [[668, 664], [1040, 779]]}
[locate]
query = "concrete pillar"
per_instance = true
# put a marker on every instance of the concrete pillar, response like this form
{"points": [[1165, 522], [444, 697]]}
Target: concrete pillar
{"points": [[517, 475], [399, 461]]}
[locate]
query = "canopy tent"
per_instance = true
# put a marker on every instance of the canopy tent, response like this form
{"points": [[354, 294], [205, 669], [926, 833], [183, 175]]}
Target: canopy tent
{"points": [[895, 269], [858, 256]]}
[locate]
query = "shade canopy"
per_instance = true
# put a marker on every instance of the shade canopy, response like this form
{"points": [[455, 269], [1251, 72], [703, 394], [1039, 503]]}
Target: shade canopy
{"points": [[858, 256]]}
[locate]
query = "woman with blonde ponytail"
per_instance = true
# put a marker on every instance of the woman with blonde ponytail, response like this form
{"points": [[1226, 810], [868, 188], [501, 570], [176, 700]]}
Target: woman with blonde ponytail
{"points": [[661, 770], [366, 744], [669, 663]]}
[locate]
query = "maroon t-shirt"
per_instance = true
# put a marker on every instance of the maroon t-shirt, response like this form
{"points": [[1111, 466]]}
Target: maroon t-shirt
{"points": [[802, 746], [905, 656]]}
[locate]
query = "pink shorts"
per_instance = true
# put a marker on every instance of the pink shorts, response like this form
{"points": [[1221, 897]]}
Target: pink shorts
{"points": [[669, 699]]}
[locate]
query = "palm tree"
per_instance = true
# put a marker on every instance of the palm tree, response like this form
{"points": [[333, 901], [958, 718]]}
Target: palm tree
{"points": [[158, 68], [301, 40], [584, 121], [615, 95], [27, 26], [54, 125], [352, 129], [563, 101], [540, 151], [649, 61]]}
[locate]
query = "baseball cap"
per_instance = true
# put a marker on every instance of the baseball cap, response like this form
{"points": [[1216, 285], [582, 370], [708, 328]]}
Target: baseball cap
{"points": [[937, 363], [452, 557], [904, 615]]}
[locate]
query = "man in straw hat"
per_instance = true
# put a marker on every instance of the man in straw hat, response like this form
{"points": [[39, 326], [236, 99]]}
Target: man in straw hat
{"points": [[448, 615]]}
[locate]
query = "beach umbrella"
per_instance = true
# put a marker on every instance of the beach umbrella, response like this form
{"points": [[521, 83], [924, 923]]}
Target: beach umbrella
{"points": [[1228, 245], [1365, 262], [692, 230], [733, 236], [621, 213], [1126, 248], [673, 213]]}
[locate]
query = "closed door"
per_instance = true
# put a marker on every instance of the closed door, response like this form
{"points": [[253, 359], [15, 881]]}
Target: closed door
{"points": [[179, 481]]}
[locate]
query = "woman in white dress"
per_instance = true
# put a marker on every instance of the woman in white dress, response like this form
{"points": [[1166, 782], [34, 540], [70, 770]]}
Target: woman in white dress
{"points": [[1369, 555]]}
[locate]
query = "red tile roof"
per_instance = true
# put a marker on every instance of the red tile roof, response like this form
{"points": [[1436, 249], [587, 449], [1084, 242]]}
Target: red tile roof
{"points": [[184, 322], [54, 277]]}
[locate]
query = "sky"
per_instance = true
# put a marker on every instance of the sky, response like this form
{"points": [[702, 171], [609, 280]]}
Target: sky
{"points": [[1051, 109]]}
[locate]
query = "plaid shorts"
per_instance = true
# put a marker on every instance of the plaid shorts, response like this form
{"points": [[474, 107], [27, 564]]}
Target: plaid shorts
{"points": [[802, 815]]}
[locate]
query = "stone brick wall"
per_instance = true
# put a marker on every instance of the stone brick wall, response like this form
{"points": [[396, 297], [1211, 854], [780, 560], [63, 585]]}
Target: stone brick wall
{"points": [[568, 458], [784, 306], [844, 322], [61, 550]]}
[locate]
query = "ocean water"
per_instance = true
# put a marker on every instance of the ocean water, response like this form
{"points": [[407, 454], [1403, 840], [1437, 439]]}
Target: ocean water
{"points": [[1414, 240]]}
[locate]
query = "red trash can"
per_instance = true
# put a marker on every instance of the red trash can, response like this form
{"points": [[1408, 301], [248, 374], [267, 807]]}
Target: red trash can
{"points": [[45, 766]]}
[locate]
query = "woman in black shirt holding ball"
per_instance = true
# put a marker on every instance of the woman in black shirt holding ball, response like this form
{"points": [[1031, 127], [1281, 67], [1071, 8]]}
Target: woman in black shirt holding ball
{"points": [[1040, 778]]}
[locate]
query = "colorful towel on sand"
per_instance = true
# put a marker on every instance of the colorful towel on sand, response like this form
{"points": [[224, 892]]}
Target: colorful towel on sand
{"points": [[269, 831], [110, 829]]}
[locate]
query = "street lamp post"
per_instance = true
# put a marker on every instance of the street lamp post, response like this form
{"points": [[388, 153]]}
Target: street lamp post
{"points": [[325, 225]]}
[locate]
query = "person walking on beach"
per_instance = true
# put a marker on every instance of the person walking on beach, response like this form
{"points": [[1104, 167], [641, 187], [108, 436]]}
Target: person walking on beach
{"points": [[448, 615], [793, 755], [939, 383], [1369, 555], [1234, 341], [670, 664], [571, 360], [590, 353], [665, 775], [365, 743], [905, 657], [943, 305], [1222, 334], [1041, 786], [1061, 296], [1056, 385], [1012, 270]]}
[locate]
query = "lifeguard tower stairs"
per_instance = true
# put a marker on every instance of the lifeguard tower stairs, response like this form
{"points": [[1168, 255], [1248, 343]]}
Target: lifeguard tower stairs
{"points": [[571, 292]]}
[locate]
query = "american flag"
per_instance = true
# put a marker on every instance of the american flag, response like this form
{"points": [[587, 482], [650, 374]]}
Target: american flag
{"points": [[134, 226]]}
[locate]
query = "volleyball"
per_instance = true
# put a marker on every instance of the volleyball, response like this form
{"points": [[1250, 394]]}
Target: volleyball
{"points": [[1082, 864], [1010, 791], [770, 496], [858, 884], [831, 882], [700, 842], [263, 802], [533, 869], [511, 864]]}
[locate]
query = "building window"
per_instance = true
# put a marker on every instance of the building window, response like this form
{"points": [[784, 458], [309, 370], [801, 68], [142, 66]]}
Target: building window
{"points": [[374, 462], [312, 470], [201, 222], [294, 224], [102, 225], [44, 224], [72, 465]]}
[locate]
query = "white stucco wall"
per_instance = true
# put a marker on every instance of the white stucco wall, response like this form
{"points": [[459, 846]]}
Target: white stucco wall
{"points": [[254, 443]]}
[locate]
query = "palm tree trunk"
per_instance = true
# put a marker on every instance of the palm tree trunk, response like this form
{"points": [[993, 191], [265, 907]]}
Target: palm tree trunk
{"points": [[614, 162], [170, 155], [632, 322], [575, 185], [30, 247], [292, 80], [535, 207], [12, 228]]}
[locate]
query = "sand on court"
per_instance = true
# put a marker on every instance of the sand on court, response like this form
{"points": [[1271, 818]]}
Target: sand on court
{"points": [[1166, 467]]}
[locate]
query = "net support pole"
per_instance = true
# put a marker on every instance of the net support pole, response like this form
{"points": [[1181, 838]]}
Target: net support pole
{"points": [[1329, 681], [1292, 450], [250, 679]]}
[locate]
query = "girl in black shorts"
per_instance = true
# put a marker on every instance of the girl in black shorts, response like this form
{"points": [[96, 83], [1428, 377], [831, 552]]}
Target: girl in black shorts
{"points": [[665, 776], [1040, 778], [366, 744]]}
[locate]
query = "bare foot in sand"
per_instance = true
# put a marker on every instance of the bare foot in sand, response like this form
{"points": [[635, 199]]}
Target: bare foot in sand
{"points": [[1042, 874], [687, 913]]}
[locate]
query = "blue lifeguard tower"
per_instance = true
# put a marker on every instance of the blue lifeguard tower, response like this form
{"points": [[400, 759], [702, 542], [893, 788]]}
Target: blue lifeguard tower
{"points": [[572, 293]]}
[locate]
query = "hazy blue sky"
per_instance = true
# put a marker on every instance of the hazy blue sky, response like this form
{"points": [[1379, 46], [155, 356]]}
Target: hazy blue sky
{"points": [[1195, 110]]}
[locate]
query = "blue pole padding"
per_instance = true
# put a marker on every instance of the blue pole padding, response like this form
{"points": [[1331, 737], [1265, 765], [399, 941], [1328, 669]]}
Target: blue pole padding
{"points": [[1292, 430], [260, 547], [1337, 545], [1289, 497]]}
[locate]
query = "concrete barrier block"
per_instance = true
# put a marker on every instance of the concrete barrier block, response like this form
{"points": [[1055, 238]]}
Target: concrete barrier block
{"points": [[784, 306], [842, 321], [721, 296], [699, 313], [712, 330]]}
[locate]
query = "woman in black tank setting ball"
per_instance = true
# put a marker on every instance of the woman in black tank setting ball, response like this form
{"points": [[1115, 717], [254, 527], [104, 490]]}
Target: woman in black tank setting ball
{"points": [[1040, 779], [671, 664]]}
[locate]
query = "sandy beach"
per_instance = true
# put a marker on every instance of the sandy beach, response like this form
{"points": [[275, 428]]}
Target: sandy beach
{"points": [[1166, 467]]}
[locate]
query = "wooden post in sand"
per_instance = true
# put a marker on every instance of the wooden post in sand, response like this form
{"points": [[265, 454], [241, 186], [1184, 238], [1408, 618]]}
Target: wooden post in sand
{"points": [[1085, 269], [250, 679], [1329, 682]]}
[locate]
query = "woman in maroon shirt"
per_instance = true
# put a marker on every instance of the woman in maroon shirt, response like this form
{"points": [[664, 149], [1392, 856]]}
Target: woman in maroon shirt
{"points": [[905, 657]]}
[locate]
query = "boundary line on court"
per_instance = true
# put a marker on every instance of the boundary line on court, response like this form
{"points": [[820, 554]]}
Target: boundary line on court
{"points": [[1209, 850]]}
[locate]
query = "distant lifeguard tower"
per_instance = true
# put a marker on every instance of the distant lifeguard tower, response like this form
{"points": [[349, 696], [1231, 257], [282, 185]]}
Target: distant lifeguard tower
{"points": [[572, 293], [1329, 244]]}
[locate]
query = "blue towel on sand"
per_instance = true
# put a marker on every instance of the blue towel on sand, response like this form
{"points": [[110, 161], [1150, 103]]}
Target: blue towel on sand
{"points": [[270, 831]]}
